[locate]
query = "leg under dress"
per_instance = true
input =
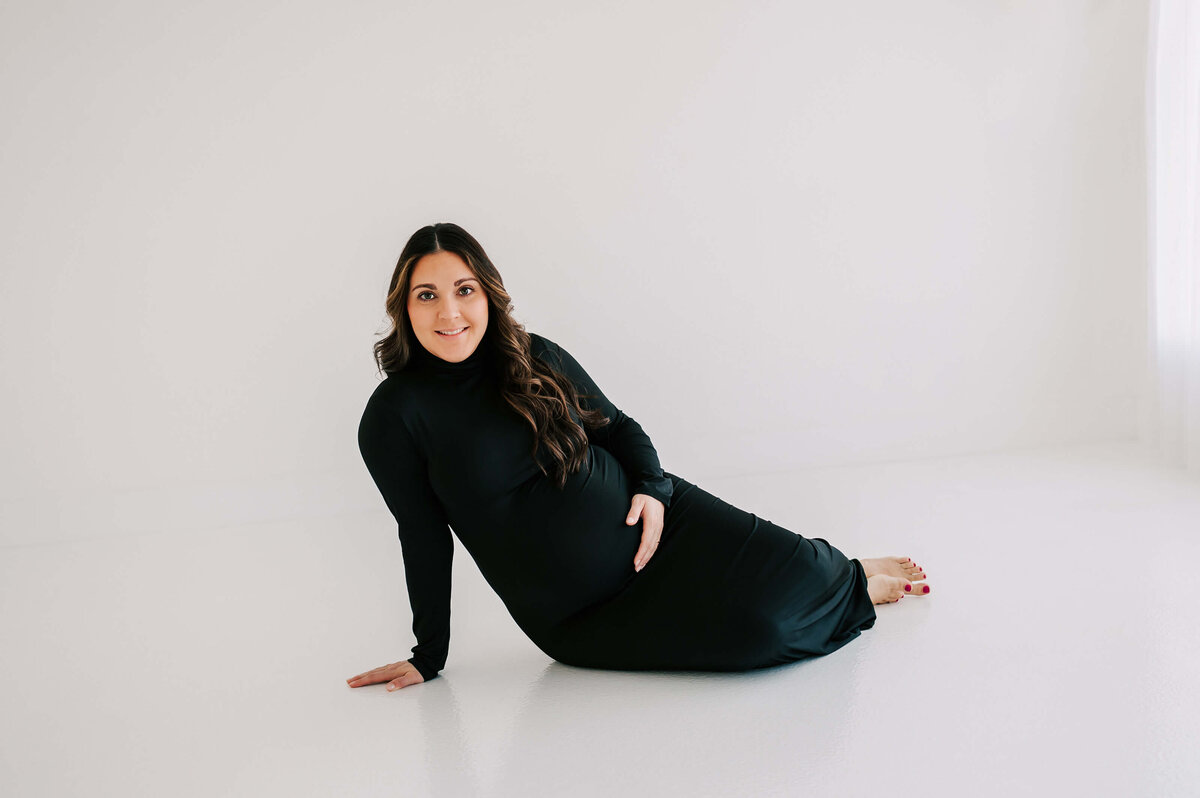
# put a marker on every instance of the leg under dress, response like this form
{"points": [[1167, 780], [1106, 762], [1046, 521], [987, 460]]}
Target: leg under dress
{"points": [[725, 591]]}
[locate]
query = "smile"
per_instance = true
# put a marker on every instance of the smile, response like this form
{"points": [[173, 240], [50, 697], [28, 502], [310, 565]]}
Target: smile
{"points": [[451, 333]]}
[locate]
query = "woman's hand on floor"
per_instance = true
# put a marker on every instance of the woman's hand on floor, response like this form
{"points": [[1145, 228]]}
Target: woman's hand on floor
{"points": [[651, 511], [397, 675]]}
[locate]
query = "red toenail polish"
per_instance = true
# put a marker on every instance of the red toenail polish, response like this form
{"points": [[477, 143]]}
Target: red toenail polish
{"points": [[926, 589], [907, 588]]}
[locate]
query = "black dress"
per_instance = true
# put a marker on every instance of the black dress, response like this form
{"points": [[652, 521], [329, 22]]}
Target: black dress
{"points": [[725, 590]]}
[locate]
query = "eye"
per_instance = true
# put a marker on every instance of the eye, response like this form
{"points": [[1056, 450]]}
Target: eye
{"points": [[470, 289], [421, 296]]}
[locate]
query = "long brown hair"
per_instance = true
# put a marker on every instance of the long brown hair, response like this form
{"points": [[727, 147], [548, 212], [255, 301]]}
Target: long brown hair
{"points": [[531, 387]]}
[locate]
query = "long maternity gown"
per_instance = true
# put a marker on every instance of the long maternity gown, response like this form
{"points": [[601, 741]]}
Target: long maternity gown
{"points": [[726, 590]]}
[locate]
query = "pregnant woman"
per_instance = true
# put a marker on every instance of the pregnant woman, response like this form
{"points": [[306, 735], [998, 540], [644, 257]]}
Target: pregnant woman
{"points": [[603, 559]]}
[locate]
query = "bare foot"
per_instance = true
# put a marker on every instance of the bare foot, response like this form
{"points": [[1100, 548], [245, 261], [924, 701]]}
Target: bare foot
{"points": [[886, 589], [900, 567]]}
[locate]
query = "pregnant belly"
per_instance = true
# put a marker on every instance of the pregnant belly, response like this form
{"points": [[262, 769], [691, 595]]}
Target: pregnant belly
{"points": [[560, 551]]}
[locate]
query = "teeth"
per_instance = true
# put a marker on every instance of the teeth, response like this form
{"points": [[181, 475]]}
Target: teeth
{"points": [[452, 332]]}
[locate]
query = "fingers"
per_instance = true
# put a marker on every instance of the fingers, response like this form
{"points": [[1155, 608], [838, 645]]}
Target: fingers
{"points": [[650, 538], [373, 676], [635, 510], [644, 553], [651, 512], [647, 546], [412, 677], [402, 674]]}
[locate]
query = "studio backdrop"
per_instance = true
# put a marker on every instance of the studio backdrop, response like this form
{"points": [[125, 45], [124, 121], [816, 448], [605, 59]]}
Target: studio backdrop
{"points": [[778, 234]]}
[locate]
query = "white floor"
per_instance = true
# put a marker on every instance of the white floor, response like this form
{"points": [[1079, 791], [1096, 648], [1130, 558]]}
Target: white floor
{"points": [[1056, 654]]}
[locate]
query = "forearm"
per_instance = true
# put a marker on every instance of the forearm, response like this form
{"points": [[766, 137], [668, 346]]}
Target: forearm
{"points": [[633, 449]]}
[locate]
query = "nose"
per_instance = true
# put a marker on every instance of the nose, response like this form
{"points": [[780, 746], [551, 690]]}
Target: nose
{"points": [[448, 309]]}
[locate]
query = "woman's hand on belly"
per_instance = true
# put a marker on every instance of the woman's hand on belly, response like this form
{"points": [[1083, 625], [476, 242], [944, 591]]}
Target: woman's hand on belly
{"points": [[651, 511]]}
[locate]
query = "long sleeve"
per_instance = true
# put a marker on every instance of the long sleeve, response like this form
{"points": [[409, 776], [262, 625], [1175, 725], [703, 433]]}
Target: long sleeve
{"points": [[622, 436], [398, 468]]}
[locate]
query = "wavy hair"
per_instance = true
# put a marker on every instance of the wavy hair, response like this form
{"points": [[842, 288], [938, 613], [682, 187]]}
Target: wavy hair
{"points": [[539, 393]]}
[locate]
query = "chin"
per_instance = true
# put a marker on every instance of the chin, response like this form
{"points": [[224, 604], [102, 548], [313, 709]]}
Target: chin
{"points": [[453, 351]]}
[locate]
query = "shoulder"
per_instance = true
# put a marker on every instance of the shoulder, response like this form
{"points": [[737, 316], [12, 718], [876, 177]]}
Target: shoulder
{"points": [[545, 350], [559, 359], [387, 422], [540, 344], [395, 396]]}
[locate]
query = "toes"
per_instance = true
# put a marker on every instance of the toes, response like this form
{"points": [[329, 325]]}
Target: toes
{"points": [[895, 588]]}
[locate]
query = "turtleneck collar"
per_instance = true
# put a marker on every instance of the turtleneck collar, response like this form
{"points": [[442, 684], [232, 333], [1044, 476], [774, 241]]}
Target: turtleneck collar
{"points": [[475, 363]]}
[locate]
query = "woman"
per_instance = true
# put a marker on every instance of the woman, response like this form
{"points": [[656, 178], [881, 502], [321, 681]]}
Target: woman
{"points": [[501, 435]]}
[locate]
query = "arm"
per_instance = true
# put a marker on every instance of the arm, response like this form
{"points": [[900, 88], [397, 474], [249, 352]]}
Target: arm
{"points": [[398, 468], [622, 436]]}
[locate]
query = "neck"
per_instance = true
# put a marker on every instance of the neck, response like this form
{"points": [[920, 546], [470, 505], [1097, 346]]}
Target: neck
{"points": [[474, 363]]}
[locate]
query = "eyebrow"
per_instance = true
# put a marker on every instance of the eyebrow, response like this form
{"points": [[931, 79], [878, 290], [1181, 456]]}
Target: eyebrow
{"points": [[434, 287]]}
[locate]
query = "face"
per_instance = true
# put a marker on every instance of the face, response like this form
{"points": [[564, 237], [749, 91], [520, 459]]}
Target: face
{"points": [[446, 306]]}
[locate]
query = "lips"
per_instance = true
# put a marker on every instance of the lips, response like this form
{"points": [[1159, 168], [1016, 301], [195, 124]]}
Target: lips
{"points": [[451, 333]]}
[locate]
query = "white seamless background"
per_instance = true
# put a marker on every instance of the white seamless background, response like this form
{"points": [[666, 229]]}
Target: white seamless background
{"points": [[777, 234]]}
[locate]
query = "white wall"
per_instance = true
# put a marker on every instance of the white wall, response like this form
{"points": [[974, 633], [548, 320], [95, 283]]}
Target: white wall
{"points": [[778, 234]]}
